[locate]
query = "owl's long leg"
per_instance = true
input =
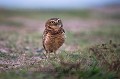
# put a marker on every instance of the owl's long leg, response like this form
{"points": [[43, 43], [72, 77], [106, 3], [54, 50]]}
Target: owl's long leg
{"points": [[55, 54], [46, 55]]}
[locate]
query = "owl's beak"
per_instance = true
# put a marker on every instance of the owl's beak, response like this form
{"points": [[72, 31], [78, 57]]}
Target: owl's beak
{"points": [[56, 27], [56, 24]]}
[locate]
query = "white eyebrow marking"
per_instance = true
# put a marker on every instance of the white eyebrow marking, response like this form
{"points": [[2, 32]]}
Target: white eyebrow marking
{"points": [[52, 20], [58, 19]]}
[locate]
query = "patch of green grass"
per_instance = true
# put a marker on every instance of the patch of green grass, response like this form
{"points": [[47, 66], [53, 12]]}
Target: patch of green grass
{"points": [[22, 74], [108, 32], [84, 39], [78, 64], [10, 23], [92, 65], [77, 38], [45, 14], [113, 16], [7, 56]]}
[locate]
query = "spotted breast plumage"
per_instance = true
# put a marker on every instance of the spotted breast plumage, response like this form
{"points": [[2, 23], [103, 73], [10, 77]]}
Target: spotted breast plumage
{"points": [[53, 36]]}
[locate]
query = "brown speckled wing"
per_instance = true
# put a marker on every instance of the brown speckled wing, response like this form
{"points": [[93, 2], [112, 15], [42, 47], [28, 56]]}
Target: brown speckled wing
{"points": [[44, 36]]}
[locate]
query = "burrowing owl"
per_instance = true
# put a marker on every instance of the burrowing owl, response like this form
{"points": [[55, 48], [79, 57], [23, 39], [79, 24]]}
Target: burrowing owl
{"points": [[54, 36]]}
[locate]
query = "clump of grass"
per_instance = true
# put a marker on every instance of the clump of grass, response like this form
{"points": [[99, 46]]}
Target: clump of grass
{"points": [[23, 74], [81, 64], [98, 62], [107, 56]]}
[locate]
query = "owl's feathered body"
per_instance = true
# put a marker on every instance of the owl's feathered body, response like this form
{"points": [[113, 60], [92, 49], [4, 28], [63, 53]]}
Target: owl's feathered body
{"points": [[54, 35]]}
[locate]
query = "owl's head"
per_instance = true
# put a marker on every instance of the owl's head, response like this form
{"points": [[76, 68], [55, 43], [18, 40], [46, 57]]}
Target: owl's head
{"points": [[54, 23]]}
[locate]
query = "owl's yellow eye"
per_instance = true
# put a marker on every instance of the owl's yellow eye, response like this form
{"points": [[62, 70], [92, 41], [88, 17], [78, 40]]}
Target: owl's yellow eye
{"points": [[58, 21]]}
